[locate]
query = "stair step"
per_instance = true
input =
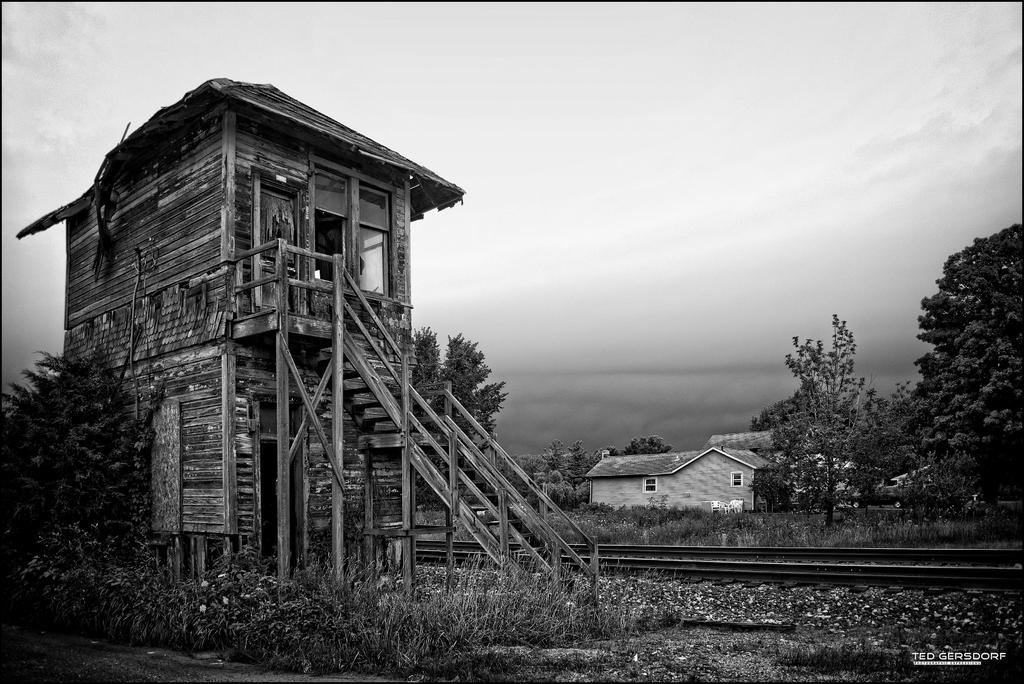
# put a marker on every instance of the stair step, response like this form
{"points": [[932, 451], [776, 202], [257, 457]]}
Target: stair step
{"points": [[363, 402], [381, 440], [372, 416]]}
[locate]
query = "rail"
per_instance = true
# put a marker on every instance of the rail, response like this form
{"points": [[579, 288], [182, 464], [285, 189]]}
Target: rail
{"points": [[828, 568]]}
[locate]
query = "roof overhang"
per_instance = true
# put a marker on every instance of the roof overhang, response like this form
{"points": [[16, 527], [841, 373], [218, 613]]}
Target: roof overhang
{"points": [[427, 190]]}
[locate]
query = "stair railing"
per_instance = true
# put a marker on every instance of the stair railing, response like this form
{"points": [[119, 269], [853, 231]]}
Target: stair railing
{"points": [[517, 469], [468, 449]]}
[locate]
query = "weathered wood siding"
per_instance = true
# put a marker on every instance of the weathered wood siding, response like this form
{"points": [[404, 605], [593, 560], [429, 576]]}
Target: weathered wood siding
{"points": [[705, 480], [169, 207], [165, 471], [286, 161]]}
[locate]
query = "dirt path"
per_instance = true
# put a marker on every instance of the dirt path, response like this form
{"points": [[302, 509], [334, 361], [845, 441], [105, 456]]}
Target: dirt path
{"points": [[31, 655]]}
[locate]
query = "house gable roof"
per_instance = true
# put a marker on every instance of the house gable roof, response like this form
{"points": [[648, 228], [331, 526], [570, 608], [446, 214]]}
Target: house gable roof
{"points": [[428, 191], [667, 464]]}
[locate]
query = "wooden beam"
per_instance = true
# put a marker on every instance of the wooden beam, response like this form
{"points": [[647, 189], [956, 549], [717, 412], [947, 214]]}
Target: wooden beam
{"points": [[408, 485], [283, 433], [229, 471], [453, 488], [503, 524], [337, 419], [227, 209]]}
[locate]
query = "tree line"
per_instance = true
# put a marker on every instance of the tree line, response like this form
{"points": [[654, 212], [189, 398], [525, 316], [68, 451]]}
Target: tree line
{"points": [[955, 433]]}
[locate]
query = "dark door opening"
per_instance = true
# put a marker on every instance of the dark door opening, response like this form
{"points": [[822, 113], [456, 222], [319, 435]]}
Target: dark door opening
{"points": [[268, 485], [268, 497]]}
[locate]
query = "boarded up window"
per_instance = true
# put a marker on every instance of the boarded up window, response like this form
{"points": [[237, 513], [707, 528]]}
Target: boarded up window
{"points": [[165, 468], [277, 216], [202, 478]]}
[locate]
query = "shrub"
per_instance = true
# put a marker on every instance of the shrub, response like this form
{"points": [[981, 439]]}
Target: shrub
{"points": [[73, 460]]}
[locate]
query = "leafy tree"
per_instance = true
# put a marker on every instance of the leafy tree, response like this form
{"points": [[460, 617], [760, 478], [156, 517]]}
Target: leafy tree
{"points": [[773, 415], [651, 444], [464, 366], [772, 485], [819, 430], [971, 387], [885, 446], [73, 458], [941, 486], [428, 357]]}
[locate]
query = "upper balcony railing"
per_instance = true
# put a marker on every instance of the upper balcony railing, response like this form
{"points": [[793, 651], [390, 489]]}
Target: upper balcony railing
{"points": [[277, 278]]}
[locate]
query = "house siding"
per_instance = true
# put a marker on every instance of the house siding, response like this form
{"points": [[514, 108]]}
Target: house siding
{"points": [[705, 480]]}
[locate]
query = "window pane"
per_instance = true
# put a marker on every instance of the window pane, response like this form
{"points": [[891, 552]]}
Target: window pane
{"points": [[373, 208], [329, 233], [371, 260], [331, 195]]}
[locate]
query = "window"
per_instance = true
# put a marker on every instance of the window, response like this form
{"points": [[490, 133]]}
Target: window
{"points": [[372, 244], [330, 214], [737, 478], [650, 484], [361, 229]]}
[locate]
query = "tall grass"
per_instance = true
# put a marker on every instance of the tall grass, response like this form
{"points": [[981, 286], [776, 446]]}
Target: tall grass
{"points": [[314, 623], [866, 528]]}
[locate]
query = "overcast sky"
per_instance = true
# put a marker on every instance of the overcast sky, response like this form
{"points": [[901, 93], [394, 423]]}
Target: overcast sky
{"points": [[658, 197]]}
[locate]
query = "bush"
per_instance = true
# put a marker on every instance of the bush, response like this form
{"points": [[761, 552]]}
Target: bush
{"points": [[73, 460]]}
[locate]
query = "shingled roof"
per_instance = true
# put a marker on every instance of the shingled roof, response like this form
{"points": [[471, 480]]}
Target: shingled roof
{"points": [[428, 191], [666, 464], [742, 440]]}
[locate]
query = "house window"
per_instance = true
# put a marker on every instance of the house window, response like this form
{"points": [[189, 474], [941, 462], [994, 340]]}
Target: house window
{"points": [[737, 478], [330, 216], [650, 484], [373, 240]]}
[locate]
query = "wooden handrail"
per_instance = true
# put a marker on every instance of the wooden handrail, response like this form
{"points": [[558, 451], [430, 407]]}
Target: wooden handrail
{"points": [[518, 470], [373, 314], [248, 285], [493, 476], [245, 254], [319, 256]]}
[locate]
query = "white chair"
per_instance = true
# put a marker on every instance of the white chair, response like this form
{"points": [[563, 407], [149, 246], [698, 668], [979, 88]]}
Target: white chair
{"points": [[735, 506], [717, 507]]}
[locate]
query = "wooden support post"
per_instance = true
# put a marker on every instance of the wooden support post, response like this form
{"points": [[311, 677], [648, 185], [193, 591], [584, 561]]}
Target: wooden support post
{"points": [[408, 484], [200, 556], [228, 471], [503, 525], [337, 417], [284, 508], [452, 514], [176, 558], [369, 543]]}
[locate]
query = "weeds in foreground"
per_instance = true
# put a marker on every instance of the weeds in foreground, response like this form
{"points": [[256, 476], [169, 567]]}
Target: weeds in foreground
{"points": [[314, 623]]}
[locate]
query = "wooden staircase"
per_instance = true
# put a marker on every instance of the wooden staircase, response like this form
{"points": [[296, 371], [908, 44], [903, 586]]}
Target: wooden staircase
{"points": [[483, 488], [481, 485]]}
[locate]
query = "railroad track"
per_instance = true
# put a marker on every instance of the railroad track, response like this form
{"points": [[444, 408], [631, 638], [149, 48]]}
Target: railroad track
{"points": [[988, 569]]}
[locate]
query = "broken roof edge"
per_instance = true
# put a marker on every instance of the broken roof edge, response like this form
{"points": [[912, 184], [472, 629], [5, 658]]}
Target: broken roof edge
{"points": [[227, 89], [57, 215]]}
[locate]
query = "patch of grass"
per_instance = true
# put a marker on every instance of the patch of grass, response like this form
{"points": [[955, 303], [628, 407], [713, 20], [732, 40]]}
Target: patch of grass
{"points": [[860, 657], [314, 623], [866, 528]]}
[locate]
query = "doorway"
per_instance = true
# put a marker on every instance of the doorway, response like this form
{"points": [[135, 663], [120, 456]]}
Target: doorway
{"points": [[268, 485]]}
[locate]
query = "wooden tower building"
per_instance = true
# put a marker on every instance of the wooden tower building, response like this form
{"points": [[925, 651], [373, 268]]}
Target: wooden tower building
{"points": [[245, 259]]}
